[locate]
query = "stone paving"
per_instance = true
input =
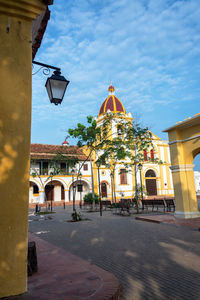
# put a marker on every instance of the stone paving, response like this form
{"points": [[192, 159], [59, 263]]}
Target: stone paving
{"points": [[152, 261]]}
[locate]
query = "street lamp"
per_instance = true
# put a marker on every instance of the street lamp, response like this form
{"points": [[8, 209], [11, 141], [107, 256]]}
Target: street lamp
{"points": [[98, 166], [51, 194], [73, 173], [140, 169], [56, 84], [111, 177], [80, 204]]}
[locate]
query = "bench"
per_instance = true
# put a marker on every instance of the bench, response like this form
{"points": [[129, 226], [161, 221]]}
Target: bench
{"points": [[170, 204], [105, 203], [154, 203], [124, 205]]}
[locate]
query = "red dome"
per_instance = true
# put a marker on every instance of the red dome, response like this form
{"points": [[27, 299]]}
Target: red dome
{"points": [[113, 104]]}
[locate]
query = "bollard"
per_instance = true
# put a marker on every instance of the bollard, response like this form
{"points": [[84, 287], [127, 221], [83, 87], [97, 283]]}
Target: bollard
{"points": [[32, 266]]}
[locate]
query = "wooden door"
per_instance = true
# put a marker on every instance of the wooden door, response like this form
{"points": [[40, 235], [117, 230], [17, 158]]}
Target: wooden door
{"points": [[151, 187], [103, 189], [49, 192]]}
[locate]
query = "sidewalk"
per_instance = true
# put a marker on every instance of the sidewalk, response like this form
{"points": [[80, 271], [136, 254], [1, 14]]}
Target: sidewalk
{"points": [[64, 276], [170, 219]]}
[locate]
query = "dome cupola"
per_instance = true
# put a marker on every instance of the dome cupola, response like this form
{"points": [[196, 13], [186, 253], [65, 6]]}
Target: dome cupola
{"points": [[112, 103]]}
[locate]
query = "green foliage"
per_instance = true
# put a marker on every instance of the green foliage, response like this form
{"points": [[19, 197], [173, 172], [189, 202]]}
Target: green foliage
{"points": [[88, 198], [86, 135], [76, 216]]}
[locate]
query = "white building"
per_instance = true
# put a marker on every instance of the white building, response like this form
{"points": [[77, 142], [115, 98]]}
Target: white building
{"points": [[57, 188]]}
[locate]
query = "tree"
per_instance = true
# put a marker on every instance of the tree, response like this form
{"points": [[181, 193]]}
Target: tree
{"points": [[125, 146], [87, 137]]}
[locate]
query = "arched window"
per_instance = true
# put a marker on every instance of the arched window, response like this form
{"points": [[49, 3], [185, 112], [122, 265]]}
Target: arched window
{"points": [[35, 189], [152, 154], [145, 155], [150, 173], [119, 130], [123, 176]]}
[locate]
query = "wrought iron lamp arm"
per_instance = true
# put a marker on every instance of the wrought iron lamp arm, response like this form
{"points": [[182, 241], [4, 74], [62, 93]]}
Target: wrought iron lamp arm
{"points": [[46, 67]]}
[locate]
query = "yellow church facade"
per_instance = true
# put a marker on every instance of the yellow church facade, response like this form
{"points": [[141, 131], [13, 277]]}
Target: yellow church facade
{"points": [[155, 178]]}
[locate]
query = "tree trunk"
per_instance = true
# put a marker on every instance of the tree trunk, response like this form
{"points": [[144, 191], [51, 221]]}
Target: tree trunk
{"points": [[92, 177], [114, 185]]}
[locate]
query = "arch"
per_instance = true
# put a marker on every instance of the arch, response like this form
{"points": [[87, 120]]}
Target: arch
{"points": [[105, 181], [82, 179], [79, 192], [150, 173], [57, 179], [184, 142], [104, 192], [150, 182], [36, 182], [34, 190], [54, 190]]}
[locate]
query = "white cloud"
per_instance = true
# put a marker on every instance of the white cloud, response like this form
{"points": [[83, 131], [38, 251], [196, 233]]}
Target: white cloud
{"points": [[149, 49]]}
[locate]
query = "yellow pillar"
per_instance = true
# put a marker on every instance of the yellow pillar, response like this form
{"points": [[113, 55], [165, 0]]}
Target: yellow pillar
{"points": [[15, 126], [183, 178]]}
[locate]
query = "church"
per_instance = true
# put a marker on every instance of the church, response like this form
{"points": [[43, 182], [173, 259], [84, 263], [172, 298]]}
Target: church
{"points": [[156, 179]]}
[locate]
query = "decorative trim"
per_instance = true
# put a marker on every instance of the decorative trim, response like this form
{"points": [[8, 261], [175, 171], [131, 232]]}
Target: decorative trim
{"points": [[187, 214], [185, 140], [24, 9], [181, 168]]}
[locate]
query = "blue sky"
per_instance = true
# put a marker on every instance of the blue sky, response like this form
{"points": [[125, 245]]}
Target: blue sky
{"points": [[149, 49]]}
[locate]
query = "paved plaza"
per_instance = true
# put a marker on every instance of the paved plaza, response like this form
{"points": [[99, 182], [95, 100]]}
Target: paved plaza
{"points": [[152, 261]]}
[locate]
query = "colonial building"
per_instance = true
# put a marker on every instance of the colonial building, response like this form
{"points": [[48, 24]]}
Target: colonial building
{"points": [[155, 178], [44, 186]]}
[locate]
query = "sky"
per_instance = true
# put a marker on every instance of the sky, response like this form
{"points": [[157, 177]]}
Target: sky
{"points": [[148, 49]]}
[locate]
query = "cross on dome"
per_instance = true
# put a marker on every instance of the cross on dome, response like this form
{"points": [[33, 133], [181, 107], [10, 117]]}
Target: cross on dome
{"points": [[111, 89]]}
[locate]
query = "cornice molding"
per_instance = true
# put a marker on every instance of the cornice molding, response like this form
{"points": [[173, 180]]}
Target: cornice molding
{"points": [[23, 9], [181, 168]]}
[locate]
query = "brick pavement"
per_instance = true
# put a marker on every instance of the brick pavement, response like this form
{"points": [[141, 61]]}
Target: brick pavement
{"points": [[152, 261]]}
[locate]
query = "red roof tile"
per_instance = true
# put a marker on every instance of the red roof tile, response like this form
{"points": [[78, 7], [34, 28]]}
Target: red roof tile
{"points": [[44, 151]]}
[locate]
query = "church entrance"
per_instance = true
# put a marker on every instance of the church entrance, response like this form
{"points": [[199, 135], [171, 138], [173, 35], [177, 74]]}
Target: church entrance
{"points": [[103, 189], [150, 180]]}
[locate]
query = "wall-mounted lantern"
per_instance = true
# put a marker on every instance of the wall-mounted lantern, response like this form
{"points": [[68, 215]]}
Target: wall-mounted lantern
{"points": [[56, 84]]}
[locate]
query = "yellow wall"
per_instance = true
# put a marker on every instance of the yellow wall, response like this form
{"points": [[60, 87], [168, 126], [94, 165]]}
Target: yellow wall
{"points": [[15, 126], [183, 148]]}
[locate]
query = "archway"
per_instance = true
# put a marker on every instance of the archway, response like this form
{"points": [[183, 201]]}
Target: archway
{"points": [[81, 188], [54, 190], [150, 180], [104, 192], [196, 163], [33, 192], [184, 142]]}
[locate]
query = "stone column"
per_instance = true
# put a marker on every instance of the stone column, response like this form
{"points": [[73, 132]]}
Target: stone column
{"points": [[66, 195], [15, 128], [41, 197], [184, 189]]}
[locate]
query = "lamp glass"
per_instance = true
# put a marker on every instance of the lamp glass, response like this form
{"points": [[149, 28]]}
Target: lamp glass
{"points": [[56, 86]]}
